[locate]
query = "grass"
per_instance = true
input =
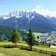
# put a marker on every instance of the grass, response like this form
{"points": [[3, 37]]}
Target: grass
{"points": [[19, 52], [40, 34], [46, 48], [41, 46]]}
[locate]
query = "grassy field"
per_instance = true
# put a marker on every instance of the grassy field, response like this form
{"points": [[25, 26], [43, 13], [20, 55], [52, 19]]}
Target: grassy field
{"points": [[19, 52], [40, 34], [47, 49], [41, 46]]}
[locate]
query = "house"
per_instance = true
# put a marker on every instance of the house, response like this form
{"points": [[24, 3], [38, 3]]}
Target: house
{"points": [[50, 39]]}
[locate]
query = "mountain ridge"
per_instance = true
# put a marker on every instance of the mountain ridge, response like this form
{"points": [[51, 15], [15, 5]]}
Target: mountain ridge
{"points": [[24, 20]]}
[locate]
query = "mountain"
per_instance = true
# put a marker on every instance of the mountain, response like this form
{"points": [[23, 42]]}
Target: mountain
{"points": [[5, 33], [53, 20], [24, 20]]}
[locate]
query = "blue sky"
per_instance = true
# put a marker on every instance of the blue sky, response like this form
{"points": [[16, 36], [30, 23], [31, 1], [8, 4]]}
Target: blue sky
{"points": [[45, 7]]}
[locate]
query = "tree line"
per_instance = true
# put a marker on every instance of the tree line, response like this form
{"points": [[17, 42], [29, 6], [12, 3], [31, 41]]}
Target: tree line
{"points": [[16, 37]]}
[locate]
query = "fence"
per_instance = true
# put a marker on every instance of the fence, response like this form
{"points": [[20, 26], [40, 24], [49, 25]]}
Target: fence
{"points": [[33, 49], [39, 50]]}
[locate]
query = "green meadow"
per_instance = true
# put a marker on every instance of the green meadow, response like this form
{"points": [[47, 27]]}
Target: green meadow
{"points": [[22, 52]]}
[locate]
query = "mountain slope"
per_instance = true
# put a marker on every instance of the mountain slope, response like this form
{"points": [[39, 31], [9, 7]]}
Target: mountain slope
{"points": [[38, 22]]}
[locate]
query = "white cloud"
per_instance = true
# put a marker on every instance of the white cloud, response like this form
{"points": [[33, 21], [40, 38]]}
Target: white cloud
{"points": [[45, 12], [38, 6], [41, 9]]}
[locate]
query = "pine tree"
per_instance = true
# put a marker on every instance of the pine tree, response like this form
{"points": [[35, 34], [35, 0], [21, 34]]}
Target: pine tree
{"points": [[30, 38], [16, 37]]}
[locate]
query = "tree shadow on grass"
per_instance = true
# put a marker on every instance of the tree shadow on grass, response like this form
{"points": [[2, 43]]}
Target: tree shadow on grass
{"points": [[28, 49], [9, 46]]}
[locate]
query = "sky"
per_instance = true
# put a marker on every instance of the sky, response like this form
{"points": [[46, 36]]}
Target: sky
{"points": [[44, 7]]}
